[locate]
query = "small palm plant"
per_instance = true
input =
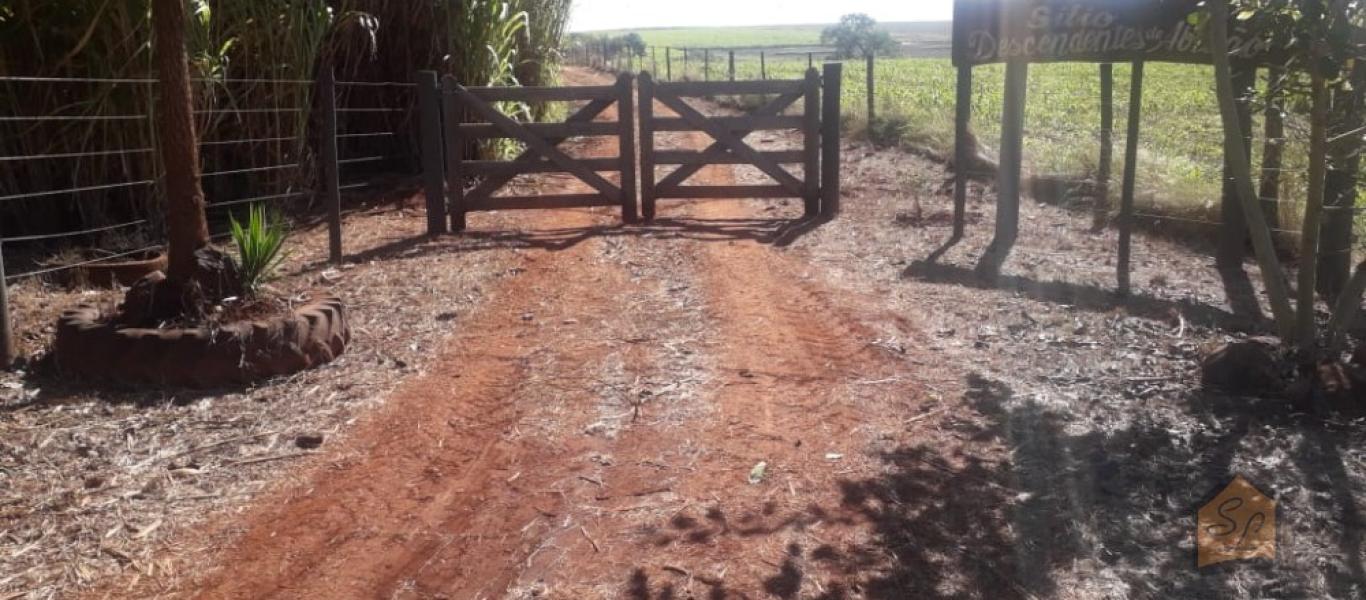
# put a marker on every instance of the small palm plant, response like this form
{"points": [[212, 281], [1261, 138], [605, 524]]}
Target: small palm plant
{"points": [[260, 246]]}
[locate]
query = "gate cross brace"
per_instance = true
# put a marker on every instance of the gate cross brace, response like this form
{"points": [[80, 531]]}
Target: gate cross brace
{"points": [[535, 142], [773, 108], [722, 135], [491, 184]]}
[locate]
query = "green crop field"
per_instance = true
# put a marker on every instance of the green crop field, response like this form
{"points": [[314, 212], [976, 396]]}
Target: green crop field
{"points": [[1180, 145]]}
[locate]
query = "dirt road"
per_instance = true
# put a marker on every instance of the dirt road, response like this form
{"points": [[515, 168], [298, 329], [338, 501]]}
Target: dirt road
{"points": [[596, 430]]}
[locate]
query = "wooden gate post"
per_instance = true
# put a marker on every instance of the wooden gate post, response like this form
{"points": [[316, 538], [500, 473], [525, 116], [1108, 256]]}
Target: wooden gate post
{"points": [[962, 150], [1126, 201], [433, 173], [626, 146], [455, 155], [647, 146], [331, 166], [812, 149], [830, 140]]}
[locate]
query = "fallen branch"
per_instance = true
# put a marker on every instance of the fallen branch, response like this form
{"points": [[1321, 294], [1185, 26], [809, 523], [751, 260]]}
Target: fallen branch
{"points": [[590, 539], [262, 459]]}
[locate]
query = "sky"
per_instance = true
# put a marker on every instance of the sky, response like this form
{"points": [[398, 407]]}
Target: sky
{"points": [[592, 15]]}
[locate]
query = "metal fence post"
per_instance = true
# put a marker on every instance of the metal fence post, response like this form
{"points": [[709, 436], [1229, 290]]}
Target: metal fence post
{"points": [[7, 349], [626, 148], [331, 168], [668, 64], [763, 66], [732, 65], [646, 117], [455, 154], [811, 192], [830, 140], [433, 171]]}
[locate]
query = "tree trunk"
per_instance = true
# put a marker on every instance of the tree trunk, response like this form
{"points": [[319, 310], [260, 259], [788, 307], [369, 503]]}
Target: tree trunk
{"points": [[1272, 273], [1340, 187], [1274, 147], [186, 226], [1233, 234], [1313, 203]]}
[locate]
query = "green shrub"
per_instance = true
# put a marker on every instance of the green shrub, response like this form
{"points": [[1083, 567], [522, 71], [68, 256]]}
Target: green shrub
{"points": [[260, 246]]}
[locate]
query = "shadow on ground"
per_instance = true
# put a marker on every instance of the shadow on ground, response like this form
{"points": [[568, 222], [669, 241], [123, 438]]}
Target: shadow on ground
{"points": [[776, 232], [1095, 299], [1100, 514]]}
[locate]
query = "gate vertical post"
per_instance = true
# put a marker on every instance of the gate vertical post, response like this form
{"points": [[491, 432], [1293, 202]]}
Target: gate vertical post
{"points": [[647, 146], [626, 146], [331, 166], [433, 174], [763, 66], [812, 136], [654, 59], [455, 155], [706, 64], [732, 64], [668, 63], [830, 140]]}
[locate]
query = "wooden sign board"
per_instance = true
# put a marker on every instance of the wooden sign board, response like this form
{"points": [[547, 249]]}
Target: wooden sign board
{"points": [[994, 31]]}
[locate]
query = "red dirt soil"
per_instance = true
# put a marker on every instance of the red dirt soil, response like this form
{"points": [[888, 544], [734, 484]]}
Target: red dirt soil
{"points": [[589, 432]]}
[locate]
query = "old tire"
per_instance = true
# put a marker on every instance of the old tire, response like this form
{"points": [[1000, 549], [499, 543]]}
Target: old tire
{"points": [[89, 346]]}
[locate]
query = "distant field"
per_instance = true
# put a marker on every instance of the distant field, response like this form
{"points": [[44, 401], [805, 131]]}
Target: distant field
{"points": [[936, 34], [1180, 152]]}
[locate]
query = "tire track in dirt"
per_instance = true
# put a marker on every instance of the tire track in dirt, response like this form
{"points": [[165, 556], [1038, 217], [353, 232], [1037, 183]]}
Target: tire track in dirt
{"points": [[445, 490], [784, 352]]}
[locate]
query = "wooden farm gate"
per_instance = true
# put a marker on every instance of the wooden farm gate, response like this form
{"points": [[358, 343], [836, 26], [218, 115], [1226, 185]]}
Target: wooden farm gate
{"points": [[816, 184], [454, 116], [472, 116]]}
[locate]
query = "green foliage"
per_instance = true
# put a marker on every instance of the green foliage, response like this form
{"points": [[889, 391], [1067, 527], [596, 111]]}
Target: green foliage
{"points": [[540, 53], [857, 35], [260, 246]]}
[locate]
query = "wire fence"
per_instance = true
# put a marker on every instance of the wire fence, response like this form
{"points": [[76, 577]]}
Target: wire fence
{"points": [[235, 169]]}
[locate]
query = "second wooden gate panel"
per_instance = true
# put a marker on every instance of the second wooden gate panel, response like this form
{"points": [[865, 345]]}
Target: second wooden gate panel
{"points": [[728, 135], [471, 116]]}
